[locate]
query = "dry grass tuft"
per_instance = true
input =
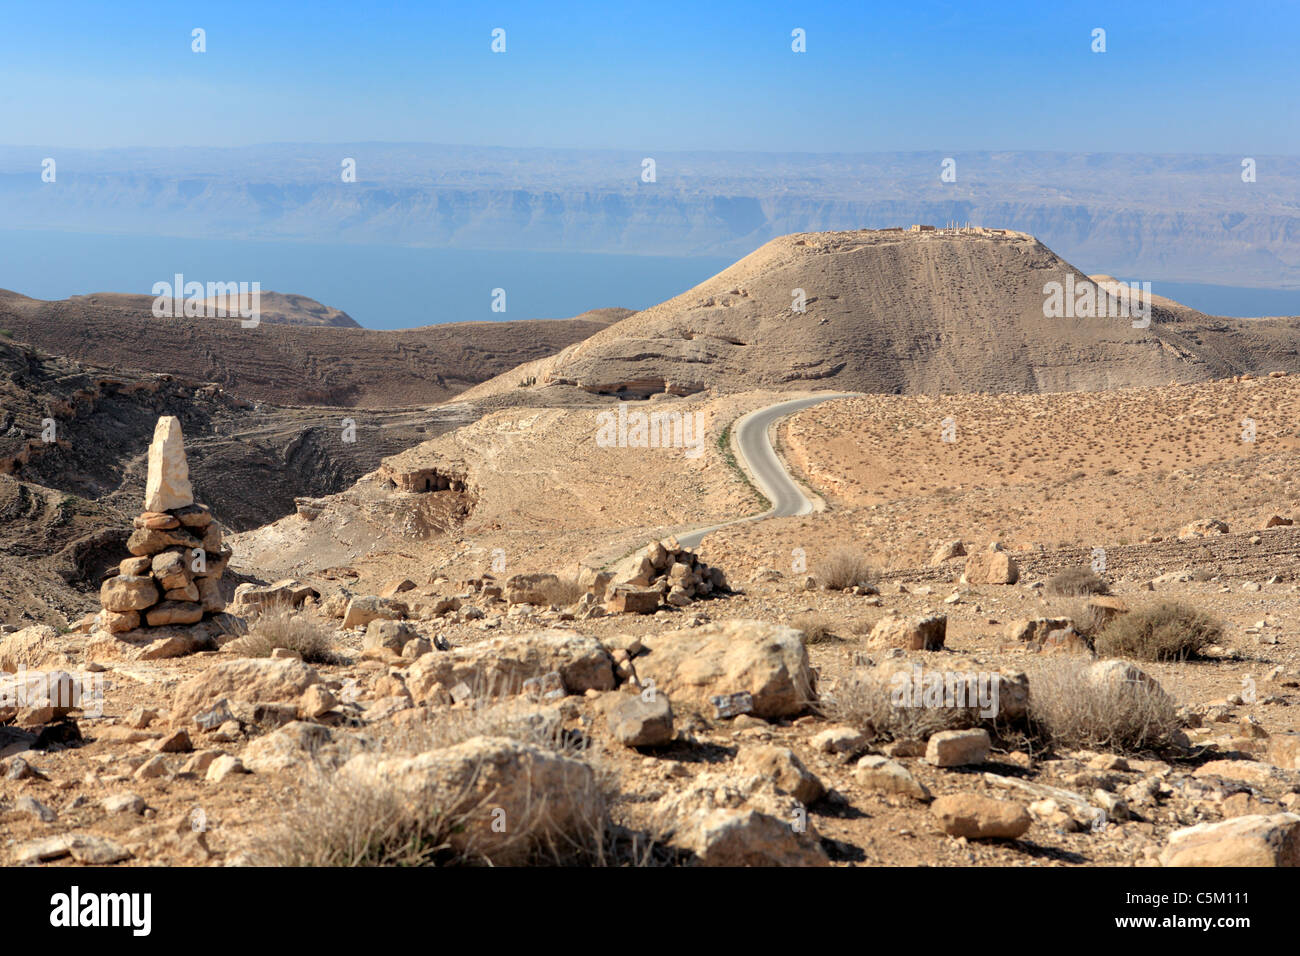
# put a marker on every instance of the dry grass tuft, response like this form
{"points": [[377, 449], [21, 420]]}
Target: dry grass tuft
{"points": [[1166, 631], [1068, 710], [866, 701], [846, 568], [564, 592], [278, 625], [1077, 582], [341, 820], [817, 628]]}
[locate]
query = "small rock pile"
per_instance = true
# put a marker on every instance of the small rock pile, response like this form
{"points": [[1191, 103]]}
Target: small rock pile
{"points": [[174, 574], [664, 573]]}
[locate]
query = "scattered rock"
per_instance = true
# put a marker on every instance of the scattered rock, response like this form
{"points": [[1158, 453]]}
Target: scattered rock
{"points": [[1202, 528], [124, 803], [882, 775], [783, 768], [958, 748], [1252, 840], [249, 679], [499, 667], [487, 780], [977, 817], [637, 722], [911, 634], [991, 567], [767, 661], [369, 607]]}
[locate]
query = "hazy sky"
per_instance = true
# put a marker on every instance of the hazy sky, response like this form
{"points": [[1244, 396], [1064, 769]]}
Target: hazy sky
{"points": [[901, 75]]}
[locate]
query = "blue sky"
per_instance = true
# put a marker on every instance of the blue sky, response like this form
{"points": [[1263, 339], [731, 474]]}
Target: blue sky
{"points": [[1186, 77]]}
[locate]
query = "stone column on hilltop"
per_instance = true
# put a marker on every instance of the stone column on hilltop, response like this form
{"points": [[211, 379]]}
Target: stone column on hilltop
{"points": [[178, 556]]}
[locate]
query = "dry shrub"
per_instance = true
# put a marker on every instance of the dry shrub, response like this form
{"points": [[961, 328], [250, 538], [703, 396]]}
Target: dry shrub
{"points": [[865, 701], [1077, 582], [1087, 620], [1166, 631], [563, 592], [845, 568], [278, 625], [341, 820], [817, 628], [1068, 710], [487, 715]]}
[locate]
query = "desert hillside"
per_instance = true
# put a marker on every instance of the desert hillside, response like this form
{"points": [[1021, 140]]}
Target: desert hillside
{"points": [[899, 312], [277, 308], [291, 364]]}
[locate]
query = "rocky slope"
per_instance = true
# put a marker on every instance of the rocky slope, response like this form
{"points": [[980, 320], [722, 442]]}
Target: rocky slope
{"points": [[274, 307], [292, 364]]}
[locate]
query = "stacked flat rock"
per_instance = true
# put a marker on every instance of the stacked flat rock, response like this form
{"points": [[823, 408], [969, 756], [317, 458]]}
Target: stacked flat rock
{"points": [[663, 571], [178, 557]]}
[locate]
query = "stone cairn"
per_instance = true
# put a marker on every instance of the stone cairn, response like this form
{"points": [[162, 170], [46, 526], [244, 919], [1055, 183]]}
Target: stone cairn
{"points": [[174, 575]]}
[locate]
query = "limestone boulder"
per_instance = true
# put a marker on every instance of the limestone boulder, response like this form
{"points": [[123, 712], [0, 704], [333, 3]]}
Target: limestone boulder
{"points": [[365, 608], [783, 768], [911, 634], [489, 780], [128, 593], [991, 567], [500, 666], [252, 679], [1258, 840], [977, 817], [174, 612], [767, 661], [640, 720], [31, 648], [729, 821], [530, 588], [632, 599], [1202, 528]]}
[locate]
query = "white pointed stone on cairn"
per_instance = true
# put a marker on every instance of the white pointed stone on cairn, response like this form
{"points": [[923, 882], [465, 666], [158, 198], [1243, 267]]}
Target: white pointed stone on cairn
{"points": [[178, 556], [168, 484]]}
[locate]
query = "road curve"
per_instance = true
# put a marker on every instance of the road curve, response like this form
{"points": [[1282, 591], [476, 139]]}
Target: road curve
{"points": [[754, 452]]}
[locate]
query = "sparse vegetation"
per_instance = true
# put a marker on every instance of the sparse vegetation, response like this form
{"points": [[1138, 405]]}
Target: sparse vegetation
{"points": [[1166, 631], [724, 449], [817, 628], [1077, 582], [344, 820], [866, 702], [281, 626], [564, 592], [338, 821], [1068, 710], [1087, 620], [846, 568]]}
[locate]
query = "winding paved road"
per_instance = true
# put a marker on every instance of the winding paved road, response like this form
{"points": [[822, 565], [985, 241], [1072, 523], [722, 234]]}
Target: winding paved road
{"points": [[754, 449]]}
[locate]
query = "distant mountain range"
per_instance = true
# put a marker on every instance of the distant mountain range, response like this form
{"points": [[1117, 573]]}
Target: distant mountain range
{"points": [[1185, 218]]}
